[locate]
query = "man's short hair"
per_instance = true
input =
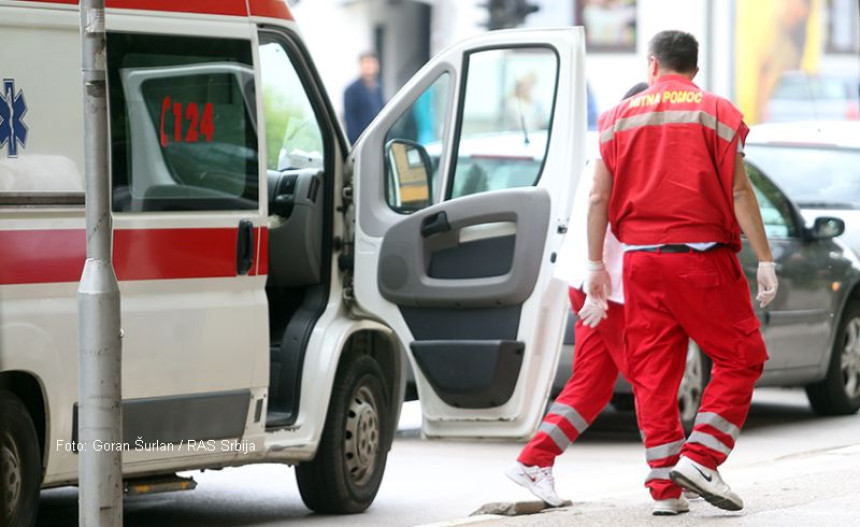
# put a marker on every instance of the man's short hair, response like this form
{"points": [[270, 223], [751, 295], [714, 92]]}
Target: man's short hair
{"points": [[368, 55], [675, 51]]}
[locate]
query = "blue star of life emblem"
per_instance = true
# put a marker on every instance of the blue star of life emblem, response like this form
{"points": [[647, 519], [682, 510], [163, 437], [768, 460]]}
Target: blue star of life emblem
{"points": [[13, 131]]}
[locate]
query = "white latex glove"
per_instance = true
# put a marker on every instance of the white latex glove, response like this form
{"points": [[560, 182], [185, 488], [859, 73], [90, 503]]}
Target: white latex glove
{"points": [[593, 311], [767, 283], [597, 283]]}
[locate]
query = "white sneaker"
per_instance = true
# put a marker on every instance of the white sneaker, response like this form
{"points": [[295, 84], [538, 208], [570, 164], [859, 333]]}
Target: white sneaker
{"points": [[670, 507], [692, 495], [538, 480], [707, 482]]}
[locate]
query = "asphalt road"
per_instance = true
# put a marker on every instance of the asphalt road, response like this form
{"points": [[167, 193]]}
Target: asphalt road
{"points": [[439, 481]]}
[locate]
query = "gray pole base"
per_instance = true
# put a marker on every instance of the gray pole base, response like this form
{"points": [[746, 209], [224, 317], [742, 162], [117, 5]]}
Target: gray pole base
{"points": [[100, 416]]}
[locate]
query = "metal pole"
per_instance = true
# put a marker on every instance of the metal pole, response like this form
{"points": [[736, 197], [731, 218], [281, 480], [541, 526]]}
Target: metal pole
{"points": [[99, 357]]}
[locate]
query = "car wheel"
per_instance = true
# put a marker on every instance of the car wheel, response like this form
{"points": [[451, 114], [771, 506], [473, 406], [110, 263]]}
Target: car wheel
{"points": [[839, 392], [345, 474], [20, 464], [697, 373]]}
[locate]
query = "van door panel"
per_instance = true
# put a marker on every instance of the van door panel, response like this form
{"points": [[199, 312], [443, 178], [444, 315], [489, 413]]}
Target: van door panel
{"points": [[460, 265]]}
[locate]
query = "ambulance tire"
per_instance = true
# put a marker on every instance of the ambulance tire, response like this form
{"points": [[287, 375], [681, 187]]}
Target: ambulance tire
{"points": [[20, 463], [839, 392], [345, 475], [697, 373]]}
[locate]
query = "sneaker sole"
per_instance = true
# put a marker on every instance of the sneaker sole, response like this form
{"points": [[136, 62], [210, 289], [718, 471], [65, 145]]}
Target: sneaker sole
{"points": [[715, 500], [525, 482]]}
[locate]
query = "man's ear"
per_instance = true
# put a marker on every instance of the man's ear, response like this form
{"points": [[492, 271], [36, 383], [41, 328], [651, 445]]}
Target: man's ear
{"points": [[653, 69]]}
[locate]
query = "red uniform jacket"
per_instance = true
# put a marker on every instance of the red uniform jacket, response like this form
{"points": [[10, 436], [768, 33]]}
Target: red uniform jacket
{"points": [[671, 152]]}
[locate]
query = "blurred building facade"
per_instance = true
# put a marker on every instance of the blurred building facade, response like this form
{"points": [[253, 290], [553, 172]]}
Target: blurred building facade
{"points": [[745, 45]]}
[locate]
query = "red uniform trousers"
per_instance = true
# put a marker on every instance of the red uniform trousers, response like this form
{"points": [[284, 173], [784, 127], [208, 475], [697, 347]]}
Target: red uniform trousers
{"points": [[668, 298], [597, 360]]}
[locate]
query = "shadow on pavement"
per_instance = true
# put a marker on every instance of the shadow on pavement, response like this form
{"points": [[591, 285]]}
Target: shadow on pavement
{"points": [[59, 508]]}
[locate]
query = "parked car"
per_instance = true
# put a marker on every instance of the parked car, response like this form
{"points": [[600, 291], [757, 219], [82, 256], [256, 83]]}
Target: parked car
{"points": [[802, 96], [818, 166], [812, 328]]}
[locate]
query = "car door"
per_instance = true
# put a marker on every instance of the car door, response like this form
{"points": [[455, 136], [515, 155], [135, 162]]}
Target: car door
{"points": [[796, 325], [463, 186]]}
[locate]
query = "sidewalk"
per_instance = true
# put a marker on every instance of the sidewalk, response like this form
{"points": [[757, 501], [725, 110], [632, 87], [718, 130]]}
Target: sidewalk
{"points": [[820, 488]]}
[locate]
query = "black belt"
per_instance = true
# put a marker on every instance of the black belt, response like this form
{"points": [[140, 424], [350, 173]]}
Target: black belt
{"points": [[676, 248]]}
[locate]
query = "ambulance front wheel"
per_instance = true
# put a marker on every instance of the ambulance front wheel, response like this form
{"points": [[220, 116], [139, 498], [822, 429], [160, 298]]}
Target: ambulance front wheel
{"points": [[839, 392], [346, 473], [20, 463]]}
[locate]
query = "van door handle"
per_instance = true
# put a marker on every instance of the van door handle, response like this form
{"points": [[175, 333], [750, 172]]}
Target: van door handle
{"points": [[435, 224], [244, 247]]}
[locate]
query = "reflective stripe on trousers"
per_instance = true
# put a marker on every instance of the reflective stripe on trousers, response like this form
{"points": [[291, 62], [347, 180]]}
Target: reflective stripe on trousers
{"points": [[715, 433], [662, 458], [554, 431]]}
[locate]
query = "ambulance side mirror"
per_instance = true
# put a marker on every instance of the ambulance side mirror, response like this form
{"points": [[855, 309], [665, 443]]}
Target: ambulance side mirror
{"points": [[408, 172]]}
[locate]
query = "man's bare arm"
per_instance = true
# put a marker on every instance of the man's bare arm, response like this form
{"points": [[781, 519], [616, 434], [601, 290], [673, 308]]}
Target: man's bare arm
{"points": [[748, 214], [598, 210], [597, 285]]}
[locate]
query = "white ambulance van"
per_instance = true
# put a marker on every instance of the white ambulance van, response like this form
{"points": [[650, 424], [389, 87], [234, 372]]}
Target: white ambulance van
{"points": [[277, 284]]}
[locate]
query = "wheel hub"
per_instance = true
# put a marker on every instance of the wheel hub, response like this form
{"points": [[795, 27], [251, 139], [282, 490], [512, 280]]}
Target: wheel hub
{"points": [[361, 444], [690, 391], [10, 471], [850, 364]]}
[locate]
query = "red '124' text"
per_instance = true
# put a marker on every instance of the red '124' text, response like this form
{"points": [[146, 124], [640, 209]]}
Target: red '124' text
{"points": [[187, 117]]}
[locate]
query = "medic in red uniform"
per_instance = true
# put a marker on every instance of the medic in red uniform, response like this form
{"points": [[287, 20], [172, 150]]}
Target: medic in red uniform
{"points": [[599, 353], [676, 193]]}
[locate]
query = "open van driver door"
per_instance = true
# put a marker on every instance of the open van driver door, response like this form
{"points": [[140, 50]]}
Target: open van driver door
{"points": [[463, 186]]}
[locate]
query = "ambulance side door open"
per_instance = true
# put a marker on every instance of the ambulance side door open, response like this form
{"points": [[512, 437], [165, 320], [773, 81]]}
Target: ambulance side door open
{"points": [[463, 186]]}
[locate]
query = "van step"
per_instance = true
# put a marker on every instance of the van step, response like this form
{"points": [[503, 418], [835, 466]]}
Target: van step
{"points": [[276, 420], [155, 485]]}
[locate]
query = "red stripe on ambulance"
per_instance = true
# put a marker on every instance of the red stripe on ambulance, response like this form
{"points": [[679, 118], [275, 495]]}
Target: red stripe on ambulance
{"points": [[267, 8], [55, 256]]}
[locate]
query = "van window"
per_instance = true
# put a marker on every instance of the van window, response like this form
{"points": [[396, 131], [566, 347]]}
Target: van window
{"points": [[423, 126], [183, 128], [506, 119], [293, 137]]}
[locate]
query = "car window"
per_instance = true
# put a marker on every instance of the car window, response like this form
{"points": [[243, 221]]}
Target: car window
{"points": [[776, 212], [506, 120], [805, 88], [293, 135], [814, 177], [422, 123], [183, 127]]}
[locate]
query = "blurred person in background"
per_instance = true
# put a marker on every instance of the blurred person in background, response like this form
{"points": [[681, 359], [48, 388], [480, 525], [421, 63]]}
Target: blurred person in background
{"points": [[522, 110], [598, 358], [362, 99], [592, 107]]}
